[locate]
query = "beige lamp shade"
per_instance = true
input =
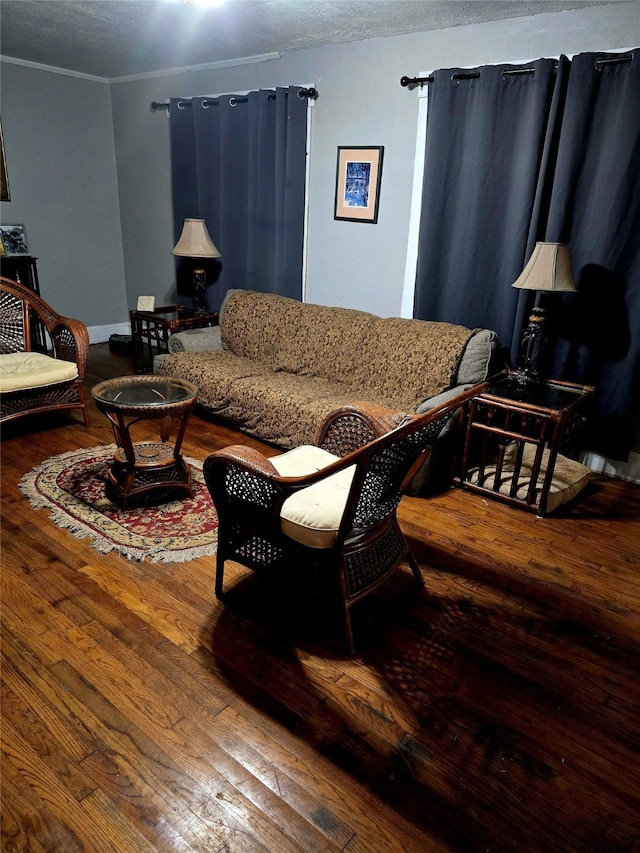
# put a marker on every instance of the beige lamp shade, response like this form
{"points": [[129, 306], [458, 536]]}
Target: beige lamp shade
{"points": [[195, 241], [549, 268]]}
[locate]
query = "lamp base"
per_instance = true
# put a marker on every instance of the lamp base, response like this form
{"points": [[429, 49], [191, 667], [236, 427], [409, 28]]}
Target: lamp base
{"points": [[534, 338], [200, 292], [524, 378]]}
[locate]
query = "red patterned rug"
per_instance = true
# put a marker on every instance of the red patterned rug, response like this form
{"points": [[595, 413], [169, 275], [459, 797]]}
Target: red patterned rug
{"points": [[72, 487]]}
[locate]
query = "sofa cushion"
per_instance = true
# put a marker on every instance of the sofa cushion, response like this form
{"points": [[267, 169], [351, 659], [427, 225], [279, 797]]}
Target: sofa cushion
{"points": [[312, 516], [317, 340], [250, 325], [214, 373], [294, 337], [281, 408], [20, 371], [406, 361]]}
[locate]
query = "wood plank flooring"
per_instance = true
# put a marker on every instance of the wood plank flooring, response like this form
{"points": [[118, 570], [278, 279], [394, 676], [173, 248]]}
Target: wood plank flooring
{"points": [[498, 709]]}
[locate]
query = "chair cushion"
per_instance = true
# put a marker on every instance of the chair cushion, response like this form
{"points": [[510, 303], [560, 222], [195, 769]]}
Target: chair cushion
{"points": [[312, 516], [20, 371]]}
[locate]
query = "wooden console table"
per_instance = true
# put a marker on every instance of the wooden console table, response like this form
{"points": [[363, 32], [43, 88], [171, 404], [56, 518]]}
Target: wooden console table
{"points": [[151, 330], [514, 435], [24, 269]]}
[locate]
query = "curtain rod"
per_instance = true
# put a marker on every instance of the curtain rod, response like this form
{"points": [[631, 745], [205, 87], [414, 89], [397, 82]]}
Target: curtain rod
{"points": [[614, 60], [412, 82], [206, 103]]}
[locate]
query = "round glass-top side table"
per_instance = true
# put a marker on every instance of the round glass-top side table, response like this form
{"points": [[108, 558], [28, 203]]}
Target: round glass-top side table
{"points": [[147, 466]]}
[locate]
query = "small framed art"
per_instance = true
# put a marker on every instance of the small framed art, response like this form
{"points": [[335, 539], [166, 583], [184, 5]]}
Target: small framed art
{"points": [[146, 303], [14, 240], [358, 176]]}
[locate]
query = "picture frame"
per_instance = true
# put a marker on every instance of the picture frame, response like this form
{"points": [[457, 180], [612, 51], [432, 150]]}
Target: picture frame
{"points": [[358, 177], [146, 303], [14, 240], [5, 195]]}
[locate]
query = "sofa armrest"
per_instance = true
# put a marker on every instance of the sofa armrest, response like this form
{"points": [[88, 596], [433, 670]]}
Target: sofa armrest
{"points": [[196, 340], [443, 397], [478, 358]]}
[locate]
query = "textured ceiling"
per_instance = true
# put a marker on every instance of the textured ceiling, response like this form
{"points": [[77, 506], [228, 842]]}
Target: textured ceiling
{"points": [[117, 38]]}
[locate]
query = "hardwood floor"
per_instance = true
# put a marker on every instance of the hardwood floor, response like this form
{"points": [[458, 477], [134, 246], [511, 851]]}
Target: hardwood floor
{"points": [[498, 709]]}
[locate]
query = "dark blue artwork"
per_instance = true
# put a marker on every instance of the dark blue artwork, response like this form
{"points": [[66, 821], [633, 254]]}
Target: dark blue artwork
{"points": [[356, 189]]}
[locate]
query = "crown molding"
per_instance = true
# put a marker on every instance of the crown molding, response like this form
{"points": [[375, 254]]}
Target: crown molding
{"points": [[52, 69], [207, 66], [168, 72]]}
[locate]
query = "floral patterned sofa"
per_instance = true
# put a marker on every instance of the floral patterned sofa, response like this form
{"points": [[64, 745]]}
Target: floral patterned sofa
{"points": [[276, 367]]}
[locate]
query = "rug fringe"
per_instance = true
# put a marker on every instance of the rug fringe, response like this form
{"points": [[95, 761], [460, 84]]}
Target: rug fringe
{"points": [[186, 555]]}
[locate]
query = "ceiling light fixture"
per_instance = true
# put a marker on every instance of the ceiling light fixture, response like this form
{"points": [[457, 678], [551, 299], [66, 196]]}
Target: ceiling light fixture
{"points": [[205, 4]]}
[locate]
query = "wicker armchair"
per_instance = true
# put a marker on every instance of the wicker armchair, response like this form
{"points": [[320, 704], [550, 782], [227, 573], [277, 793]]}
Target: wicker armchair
{"points": [[333, 516], [32, 381]]}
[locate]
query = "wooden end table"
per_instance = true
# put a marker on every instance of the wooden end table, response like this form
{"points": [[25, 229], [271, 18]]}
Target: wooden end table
{"points": [[510, 421], [147, 466], [151, 330]]}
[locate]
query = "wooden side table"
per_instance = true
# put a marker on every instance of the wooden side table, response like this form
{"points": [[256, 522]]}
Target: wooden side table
{"points": [[23, 269], [142, 467], [151, 330], [514, 436]]}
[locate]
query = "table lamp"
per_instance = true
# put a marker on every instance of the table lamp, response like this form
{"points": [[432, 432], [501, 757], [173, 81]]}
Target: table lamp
{"points": [[547, 271], [195, 242]]}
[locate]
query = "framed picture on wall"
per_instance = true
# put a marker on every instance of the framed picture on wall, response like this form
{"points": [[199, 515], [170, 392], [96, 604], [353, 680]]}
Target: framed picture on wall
{"points": [[4, 180], [358, 176], [146, 303], [14, 240]]}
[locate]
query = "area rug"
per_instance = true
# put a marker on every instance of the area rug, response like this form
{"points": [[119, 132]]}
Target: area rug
{"points": [[72, 487]]}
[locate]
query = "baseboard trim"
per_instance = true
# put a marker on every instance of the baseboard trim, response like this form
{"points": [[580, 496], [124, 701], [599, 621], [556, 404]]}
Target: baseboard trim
{"points": [[629, 470], [101, 334]]}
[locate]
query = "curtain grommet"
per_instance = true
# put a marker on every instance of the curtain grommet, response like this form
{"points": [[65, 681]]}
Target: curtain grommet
{"points": [[233, 102], [180, 105]]}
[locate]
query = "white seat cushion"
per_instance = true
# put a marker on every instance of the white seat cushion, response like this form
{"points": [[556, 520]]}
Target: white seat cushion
{"points": [[22, 370], [312, 516]]}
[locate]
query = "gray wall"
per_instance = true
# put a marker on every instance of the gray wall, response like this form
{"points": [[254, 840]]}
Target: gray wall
{"points": [[58, 135]]}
